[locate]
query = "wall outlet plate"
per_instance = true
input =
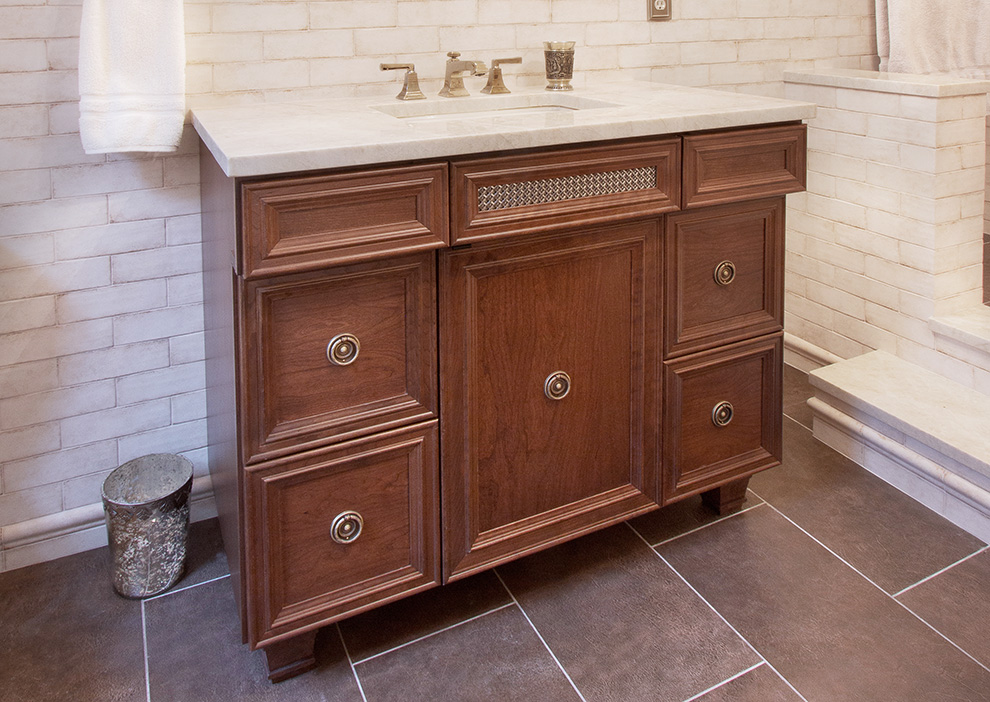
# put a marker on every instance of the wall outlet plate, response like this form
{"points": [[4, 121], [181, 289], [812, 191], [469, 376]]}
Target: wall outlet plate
{"points": [[658, 9]]}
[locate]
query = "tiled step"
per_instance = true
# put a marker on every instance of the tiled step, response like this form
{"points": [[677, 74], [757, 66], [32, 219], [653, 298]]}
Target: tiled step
{"points": [[965, 335], [922, 433]]}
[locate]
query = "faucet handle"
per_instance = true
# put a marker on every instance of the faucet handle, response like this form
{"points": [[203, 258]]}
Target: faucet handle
{"points": [[453, 55], [410, 84], [495, 85]]}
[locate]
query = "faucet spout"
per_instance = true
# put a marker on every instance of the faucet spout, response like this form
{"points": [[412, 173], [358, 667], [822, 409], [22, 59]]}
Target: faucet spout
{"points": [[456, 69]]}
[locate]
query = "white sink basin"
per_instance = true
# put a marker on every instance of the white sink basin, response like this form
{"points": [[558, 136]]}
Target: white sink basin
{"points": [[475, 107]]}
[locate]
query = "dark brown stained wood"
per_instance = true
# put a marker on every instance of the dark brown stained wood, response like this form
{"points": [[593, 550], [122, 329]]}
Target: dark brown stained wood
{"points": [[522, 471], [295, 397], [301, 223], [291, 657], [699, 312], [300, 578], [743, 164], [726, 498], [219, 224], [468, 224], [698, 455]]}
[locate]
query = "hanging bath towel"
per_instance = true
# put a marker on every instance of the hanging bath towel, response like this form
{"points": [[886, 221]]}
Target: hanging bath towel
{"points": [[934, 36], [132, 63]]}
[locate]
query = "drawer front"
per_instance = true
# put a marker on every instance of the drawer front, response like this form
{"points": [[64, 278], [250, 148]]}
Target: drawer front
{"points": [[722, 416], [723, 275], [507, 195], [302, 570], [295, 396], [744, 164], [293, 224]]}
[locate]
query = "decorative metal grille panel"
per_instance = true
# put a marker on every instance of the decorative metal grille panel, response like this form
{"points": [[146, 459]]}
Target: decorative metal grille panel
{"points": [[538, 192]]}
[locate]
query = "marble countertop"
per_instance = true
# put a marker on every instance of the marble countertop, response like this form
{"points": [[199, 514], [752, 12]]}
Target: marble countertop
{"points": [[271, 138]]}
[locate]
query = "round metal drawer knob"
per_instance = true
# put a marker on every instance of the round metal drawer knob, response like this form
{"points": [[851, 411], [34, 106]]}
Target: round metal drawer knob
{"points": [[343, 349], [346, 527], [722, 413], [557, 385], [725, 273]]}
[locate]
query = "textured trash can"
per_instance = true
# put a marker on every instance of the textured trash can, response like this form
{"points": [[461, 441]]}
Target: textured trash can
{"points": [[146, 502]]}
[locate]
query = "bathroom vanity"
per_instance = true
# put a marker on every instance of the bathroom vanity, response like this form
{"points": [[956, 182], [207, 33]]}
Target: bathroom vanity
{"points": [[438, 343]]}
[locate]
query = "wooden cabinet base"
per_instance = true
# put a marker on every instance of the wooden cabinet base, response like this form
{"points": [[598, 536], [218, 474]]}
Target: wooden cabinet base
{"points": [[727, 498], [291, 657]]}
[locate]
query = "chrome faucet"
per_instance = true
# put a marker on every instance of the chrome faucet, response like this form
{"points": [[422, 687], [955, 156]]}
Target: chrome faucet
{"points": [[453, 81]]}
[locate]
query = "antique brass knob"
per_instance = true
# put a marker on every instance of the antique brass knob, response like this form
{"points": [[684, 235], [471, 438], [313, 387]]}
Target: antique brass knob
{"points": [[343, 349], [346, 527], [725, 272], [722, 413], [557, 385]]}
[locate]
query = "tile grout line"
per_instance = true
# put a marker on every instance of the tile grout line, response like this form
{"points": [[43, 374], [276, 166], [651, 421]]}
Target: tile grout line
{"points": [[887, 594], [350, 661], [540, 636], [434, 633], [144, 643], [726, 681], [703, 526], [933, 575], [717, 613], [187, 587]]}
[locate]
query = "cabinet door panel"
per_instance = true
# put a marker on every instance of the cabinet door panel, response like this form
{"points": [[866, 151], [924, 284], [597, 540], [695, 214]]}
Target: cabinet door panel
{"points": [[707, 443], [296, 395], [521, 470]]}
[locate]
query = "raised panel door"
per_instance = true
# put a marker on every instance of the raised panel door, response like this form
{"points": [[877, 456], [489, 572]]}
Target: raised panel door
{"points": [[573, 315]]}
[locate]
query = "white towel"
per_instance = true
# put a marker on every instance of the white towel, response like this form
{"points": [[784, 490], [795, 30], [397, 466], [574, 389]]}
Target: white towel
{"points": [[132, 61], [934, 36]]}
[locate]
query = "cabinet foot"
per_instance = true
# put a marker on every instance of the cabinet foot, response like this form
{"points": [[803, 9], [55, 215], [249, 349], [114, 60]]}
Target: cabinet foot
{"points": [[727, 498], [290, 657]]}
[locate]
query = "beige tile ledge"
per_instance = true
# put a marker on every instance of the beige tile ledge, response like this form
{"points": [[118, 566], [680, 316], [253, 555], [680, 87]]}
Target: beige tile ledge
{"points": [[882, 82], [80, 529], [970, 326], [917, 430], [921, 404]]}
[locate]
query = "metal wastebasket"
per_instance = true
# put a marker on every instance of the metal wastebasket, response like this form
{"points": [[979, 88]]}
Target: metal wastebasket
{"points": [[146, 502]]}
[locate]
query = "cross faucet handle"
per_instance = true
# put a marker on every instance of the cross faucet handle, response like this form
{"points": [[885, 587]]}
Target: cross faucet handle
{"points": [[495, 85], [410, 84]]}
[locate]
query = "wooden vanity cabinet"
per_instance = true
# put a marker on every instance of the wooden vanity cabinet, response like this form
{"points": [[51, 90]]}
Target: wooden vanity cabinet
{"points": [[402, 393]]}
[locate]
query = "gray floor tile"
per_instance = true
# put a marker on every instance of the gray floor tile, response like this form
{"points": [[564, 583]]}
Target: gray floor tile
{"points": [[828, 631], [497, 657], [66, 635], [797, 390], [622, 624], [403, 621], [680, 518], [759, 685], [889, 537], [957, 603], [195, 654]]}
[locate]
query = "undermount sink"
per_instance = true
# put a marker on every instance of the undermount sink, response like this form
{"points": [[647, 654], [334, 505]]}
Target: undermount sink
{"points": [[489, 106]]}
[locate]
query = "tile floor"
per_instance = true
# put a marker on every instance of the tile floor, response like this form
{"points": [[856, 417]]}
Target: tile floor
{"points": [[828, 585]]}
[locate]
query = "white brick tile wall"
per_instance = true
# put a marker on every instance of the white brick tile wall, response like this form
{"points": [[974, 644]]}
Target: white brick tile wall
{"points": [[99, 254], [163, 382], [25, 378], [29, 313], [109, 239], [56, 404], [60, 465], [115, 423], [124, 360], [113, 300]]}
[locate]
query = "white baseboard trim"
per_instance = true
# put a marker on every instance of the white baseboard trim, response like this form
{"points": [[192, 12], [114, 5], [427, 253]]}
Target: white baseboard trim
{"points": [[81, 529], [950, 494], [804, 355]]}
